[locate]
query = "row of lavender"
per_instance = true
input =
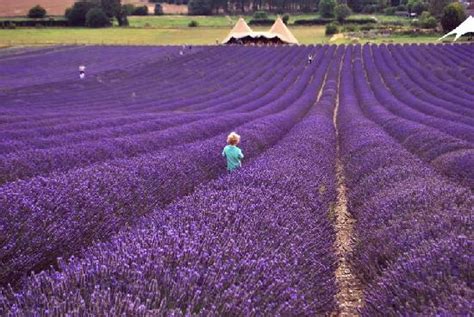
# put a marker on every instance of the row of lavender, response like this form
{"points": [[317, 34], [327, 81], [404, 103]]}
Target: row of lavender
{"points": [[255, 242], [379, 198], [161, 133], [85, 99], [413, 225], [66, 211]]}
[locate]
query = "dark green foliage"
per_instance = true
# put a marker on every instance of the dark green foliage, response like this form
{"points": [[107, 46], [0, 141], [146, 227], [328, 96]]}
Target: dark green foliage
{"points": [[389, 11], [355, 5], [326, 8], [350, 28], [316, 21], [285, 18], [37, 12], [371, 8], [114, 9], [261, 22], [354, 20], [260, 15], [331, 29], [200, 7], [402, 7], [453, 15], [417, 7], [96, 18], [342, 11], [128, 9], [141, 11], [77, 14], [158, 9], [193, 24], [368, 27], [436, 7], [7, 24], [426, 21]]}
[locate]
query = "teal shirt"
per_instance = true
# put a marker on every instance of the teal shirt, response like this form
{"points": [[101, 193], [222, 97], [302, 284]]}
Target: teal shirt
{"points": [[233, 155]]}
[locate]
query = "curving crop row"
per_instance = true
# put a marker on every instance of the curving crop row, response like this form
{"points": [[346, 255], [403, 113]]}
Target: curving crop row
{"points": [[22, 165], [261, 247], [57, 216], [404, 213]]}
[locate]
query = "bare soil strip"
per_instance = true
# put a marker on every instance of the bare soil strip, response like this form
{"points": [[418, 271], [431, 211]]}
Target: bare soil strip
{"points": [[350, 295]]}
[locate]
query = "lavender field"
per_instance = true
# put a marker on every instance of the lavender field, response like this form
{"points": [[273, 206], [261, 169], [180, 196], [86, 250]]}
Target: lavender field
{"points": [[355, 196]]}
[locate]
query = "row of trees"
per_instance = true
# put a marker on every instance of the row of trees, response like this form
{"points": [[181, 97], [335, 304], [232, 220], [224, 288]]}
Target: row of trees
{"points": [[435, 7], [96, 13]]}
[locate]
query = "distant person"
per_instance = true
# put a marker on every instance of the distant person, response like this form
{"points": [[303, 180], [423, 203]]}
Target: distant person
{"points": [[82, 72], [310, 59], [232, 153]]}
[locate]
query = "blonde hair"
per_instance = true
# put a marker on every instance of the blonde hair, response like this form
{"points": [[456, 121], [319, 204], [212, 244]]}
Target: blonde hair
{"points": [[233, 138]]}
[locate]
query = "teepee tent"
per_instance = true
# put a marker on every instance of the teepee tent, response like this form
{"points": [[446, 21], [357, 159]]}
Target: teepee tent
{"points": [[279, 28], [240, 30], [466, 27], [278, 34]]}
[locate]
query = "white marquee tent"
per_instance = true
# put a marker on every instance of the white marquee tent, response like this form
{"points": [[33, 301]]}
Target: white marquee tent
{"points": [[466, 27]]}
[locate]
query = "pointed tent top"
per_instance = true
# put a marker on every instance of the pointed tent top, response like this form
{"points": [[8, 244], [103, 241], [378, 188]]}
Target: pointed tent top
{"points": [[279, 28], [466, 27], [241, 27], [239, 30]]}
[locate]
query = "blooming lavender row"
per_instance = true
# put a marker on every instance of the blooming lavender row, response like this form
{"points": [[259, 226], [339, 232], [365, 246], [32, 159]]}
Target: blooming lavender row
{"points": [[29, 139], [449, 155], [425, 87], [75, 208], [99, 90], [452, 96], [61, 64], [257, 242], [412, 226], [454, 72], [81, 125], [75, 98], [413, 108], [24, 164]]}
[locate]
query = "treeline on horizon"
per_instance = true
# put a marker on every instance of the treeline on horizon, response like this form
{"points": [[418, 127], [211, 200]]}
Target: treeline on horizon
{"points": [[308, 6]]}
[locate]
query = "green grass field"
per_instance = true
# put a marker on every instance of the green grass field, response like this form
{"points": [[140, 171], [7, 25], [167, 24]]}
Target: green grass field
{"points": [[174, 30]]}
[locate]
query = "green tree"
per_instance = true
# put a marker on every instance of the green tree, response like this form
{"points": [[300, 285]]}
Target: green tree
{"points": [[342, 11], [158, 9], [436, 7], [331, 29], [96, 18], [416, 6], [77, 15], [128, 8], [200, 7], [326, 8], [453, 15], [355, 5], [141, 10], [114, 9], [427, 21], [37, 12]]}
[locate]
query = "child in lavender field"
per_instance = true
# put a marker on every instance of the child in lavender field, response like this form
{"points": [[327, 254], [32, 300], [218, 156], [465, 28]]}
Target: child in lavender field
{"points": [[232, 153]]}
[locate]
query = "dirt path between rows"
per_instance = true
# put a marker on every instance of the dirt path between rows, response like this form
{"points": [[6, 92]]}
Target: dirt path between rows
{"points": [[350, 295]]}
